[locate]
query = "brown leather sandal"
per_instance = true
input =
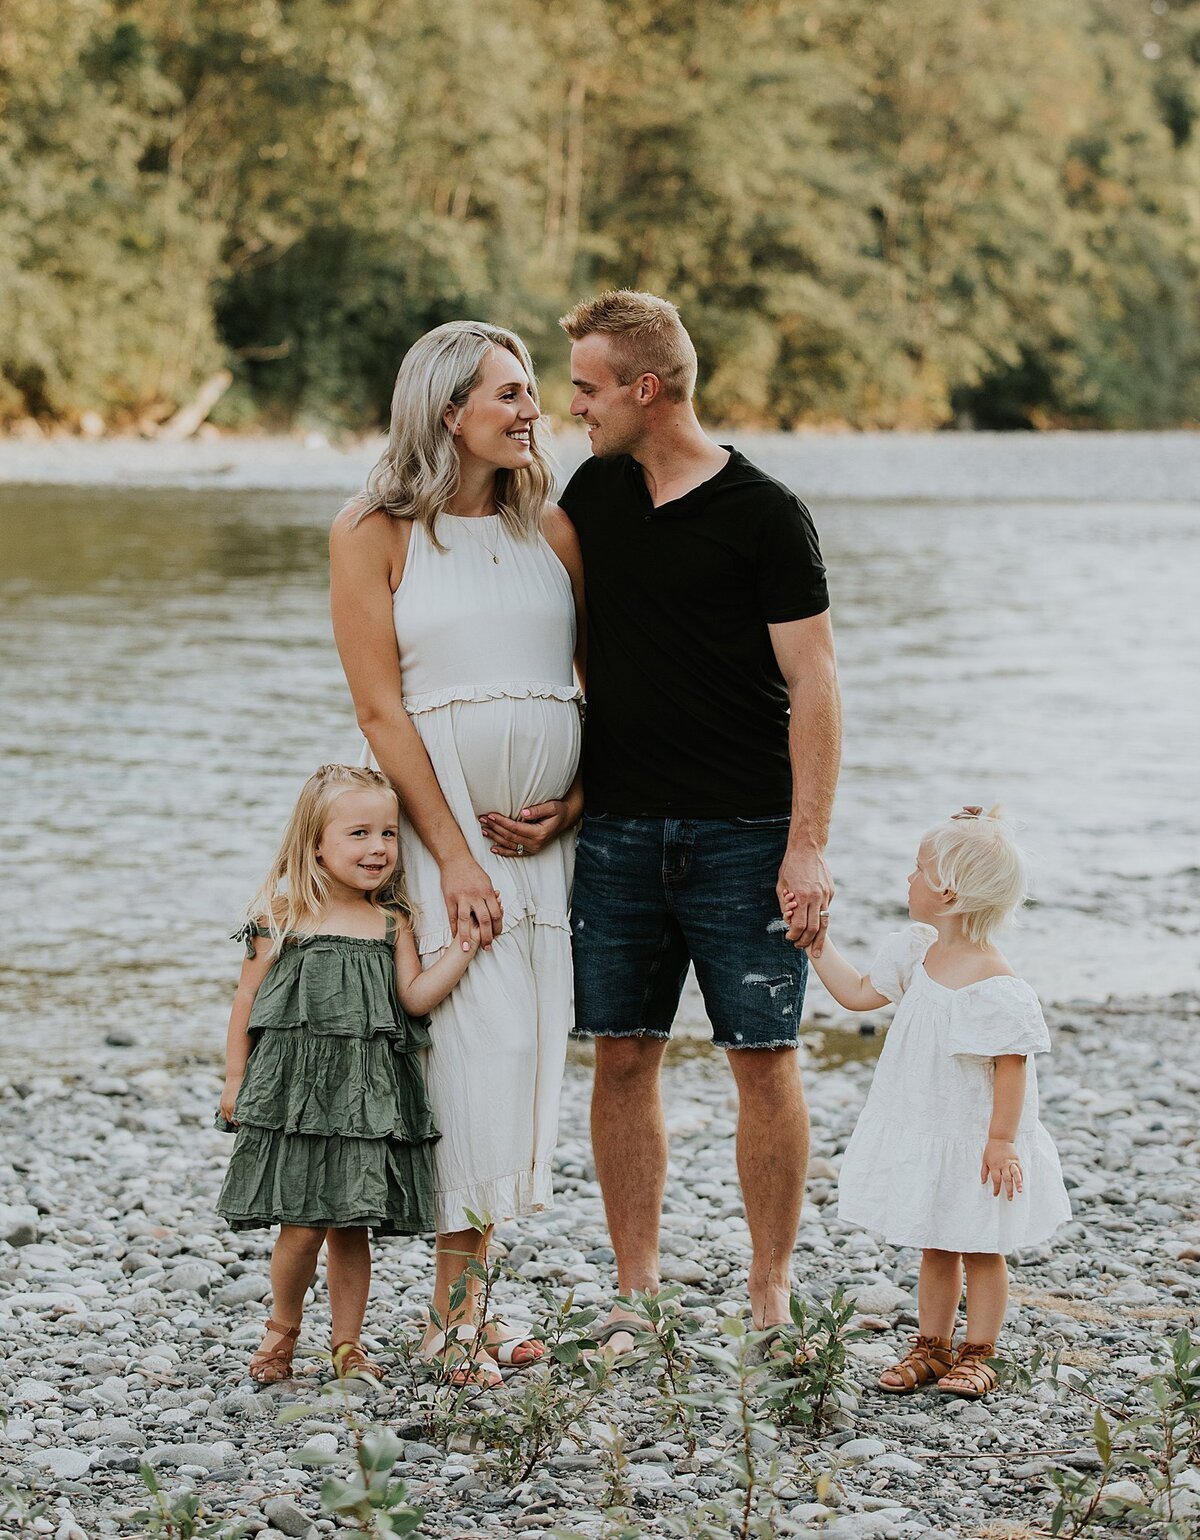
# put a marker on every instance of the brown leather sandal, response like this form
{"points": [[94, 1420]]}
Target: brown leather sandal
{"points": [[926, 1361], [349, 1360], [971, 1366], [270, 1365]]}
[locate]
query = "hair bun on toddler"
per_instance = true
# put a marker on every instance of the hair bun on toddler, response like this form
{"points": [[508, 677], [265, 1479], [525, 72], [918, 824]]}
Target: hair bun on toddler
{"points": [[995, 813]]}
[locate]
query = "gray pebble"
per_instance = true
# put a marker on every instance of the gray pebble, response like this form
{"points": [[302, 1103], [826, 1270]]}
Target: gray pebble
{"points": [[286, 1517], [18, 1224], [208, 1457], [243, 1290], [64, 1464]]}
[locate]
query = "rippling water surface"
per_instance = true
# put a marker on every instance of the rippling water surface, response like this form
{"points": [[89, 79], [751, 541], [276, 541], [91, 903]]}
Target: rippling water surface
{"points": [[169, 679]]}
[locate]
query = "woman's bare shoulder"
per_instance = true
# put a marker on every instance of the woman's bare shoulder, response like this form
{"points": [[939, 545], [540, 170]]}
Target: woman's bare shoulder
{"points": [[363, 519], [556, 521], [365, 536], [559, 531]]}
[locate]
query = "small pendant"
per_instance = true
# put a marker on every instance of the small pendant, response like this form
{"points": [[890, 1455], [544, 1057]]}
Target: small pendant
{"points": [[495, 561]]}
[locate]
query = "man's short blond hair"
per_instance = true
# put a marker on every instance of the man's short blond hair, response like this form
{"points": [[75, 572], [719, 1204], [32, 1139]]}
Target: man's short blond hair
{"points": [[646, 334]]}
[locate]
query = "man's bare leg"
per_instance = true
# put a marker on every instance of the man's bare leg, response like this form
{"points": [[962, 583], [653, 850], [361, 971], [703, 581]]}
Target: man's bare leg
{"points": [[629, 1140], [772, 1159]]}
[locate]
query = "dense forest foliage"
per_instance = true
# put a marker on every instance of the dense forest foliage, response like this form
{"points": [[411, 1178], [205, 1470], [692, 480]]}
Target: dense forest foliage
{"points": [[881, 212]]}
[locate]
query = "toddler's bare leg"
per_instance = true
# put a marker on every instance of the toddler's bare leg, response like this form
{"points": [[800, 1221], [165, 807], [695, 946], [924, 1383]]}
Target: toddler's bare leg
{"points": [[939, 1292], [987, 1295], [293, 1263], [293, 1266], [938, 1295], [348, 1272]]}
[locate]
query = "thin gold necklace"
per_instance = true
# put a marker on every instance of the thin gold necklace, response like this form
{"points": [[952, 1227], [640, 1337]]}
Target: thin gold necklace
{"points": [[491, 550]]}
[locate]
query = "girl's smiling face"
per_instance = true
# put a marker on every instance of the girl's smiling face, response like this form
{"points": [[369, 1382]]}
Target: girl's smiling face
{"points": [[357, 848], [926, 898]]}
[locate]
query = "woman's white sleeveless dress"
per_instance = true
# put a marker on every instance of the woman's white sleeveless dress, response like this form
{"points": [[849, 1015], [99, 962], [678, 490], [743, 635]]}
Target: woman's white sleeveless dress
{"points": [[486, 632]]}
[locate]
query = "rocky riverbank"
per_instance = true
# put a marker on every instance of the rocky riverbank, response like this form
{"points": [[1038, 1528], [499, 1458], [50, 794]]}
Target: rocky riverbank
{"points": [[127, 1310]]}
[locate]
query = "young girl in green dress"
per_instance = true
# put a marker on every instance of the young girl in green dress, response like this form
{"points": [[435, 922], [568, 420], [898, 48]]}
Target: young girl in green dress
{"points": [[323, 1081]]}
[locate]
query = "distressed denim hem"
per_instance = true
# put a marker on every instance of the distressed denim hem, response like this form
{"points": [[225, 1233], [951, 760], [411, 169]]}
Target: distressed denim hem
{"points": [[584, 1032], [784, 1042]]}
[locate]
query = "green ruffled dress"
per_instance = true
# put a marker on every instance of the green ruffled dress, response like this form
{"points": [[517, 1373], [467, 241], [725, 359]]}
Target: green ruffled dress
{"points": [[333, 1125]]}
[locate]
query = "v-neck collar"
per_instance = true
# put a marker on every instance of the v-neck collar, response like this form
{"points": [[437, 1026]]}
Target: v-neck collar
{"points": [[696, 499]]}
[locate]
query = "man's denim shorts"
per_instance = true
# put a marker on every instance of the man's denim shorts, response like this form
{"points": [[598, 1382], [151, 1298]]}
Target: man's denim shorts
{"points": [[652, 895]]}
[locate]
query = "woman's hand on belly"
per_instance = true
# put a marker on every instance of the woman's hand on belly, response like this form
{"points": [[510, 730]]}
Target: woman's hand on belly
{"points": [[470, 898], [533, 830]]}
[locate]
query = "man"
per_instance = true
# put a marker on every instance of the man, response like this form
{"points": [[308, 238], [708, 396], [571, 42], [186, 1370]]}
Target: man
{"points": [[708, 620]]}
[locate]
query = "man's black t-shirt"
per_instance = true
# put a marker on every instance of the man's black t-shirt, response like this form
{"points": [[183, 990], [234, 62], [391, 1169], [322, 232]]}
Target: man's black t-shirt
{"points": [[687, 713]]}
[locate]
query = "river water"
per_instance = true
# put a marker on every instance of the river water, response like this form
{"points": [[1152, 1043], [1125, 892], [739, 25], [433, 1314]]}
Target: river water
{"points": [[170, 679]]}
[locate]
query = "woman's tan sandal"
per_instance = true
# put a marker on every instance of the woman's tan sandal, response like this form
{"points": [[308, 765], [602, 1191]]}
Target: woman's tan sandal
{"points": [[350, 1360], [925, 1363], [511, 1347], [270, 1365], [462, 1355], [971, 1376]]}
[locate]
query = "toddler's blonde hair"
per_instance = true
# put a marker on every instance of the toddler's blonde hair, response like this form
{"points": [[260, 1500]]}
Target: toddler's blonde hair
{"points": [[296, 889], [980, 862]]}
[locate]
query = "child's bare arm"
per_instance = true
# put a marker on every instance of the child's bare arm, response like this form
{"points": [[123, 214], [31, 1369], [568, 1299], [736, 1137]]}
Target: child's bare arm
{"points": [[420, 989], [237, 1039], [848, 987], [1001, 1164]]}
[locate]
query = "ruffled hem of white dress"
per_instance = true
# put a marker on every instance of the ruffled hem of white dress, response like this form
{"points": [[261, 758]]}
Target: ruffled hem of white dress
{"points": [[540, 914], [431, 700], [915, 1189], [528, 1191]]}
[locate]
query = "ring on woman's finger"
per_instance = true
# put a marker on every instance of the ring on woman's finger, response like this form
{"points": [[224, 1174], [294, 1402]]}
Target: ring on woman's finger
{"points": [[520, 850], [823, 913]]}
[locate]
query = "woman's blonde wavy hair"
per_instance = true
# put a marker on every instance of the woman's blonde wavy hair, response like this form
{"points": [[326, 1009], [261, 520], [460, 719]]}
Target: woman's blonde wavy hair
{"points": [[418, 472], [979, 861], [296, 890]]}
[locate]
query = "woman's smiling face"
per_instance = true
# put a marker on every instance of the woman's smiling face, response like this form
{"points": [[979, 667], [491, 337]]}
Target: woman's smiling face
{"points": [[495, 423]]}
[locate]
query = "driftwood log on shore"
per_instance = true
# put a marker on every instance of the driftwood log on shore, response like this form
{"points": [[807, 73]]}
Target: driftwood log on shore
{"points": [[188, 418]]}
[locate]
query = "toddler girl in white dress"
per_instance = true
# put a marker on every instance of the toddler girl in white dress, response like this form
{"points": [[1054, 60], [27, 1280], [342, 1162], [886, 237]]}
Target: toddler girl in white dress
{"points": [[948, 1153]]}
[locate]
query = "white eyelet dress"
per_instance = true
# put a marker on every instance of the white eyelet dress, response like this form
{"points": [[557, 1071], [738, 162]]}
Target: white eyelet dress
{"points": [[911, 1169], [486, 632]]}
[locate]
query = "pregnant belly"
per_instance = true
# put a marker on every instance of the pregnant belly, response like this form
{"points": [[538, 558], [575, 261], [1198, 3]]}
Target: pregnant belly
{"points": [[510, 753]]}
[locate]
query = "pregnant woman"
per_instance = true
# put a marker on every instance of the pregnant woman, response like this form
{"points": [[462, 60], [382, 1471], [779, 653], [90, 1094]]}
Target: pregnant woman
{"points": [[457, 597]]}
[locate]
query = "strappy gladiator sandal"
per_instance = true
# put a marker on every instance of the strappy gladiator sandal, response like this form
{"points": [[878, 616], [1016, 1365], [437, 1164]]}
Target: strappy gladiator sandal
{"points": [[349, 1359], [972, 1367], [270, 1365], [925, 1362]]}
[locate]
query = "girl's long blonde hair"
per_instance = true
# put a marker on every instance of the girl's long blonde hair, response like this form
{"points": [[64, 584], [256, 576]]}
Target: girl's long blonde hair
{"points": [[296, 889], [418, 473]]}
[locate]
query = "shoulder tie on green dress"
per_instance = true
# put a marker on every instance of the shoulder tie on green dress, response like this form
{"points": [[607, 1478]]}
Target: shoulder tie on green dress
{"points": [[248, 932]]}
